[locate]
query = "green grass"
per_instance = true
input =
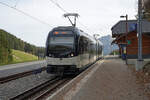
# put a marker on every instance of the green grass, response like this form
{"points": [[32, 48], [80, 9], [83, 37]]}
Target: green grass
{"points": [[20, 56]]}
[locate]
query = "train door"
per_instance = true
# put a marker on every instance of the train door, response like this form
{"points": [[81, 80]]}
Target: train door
{"points": [[83, 51], [97, 44], [89, 51]]}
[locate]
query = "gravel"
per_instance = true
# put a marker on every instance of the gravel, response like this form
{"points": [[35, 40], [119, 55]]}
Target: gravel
{"points": [[15, 87]]}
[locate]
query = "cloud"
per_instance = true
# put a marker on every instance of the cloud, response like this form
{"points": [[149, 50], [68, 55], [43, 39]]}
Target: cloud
{"points": [[97, 15]]}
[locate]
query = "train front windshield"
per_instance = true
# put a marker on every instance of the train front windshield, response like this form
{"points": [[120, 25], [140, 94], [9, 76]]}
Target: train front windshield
{"points": [[61, 43]]}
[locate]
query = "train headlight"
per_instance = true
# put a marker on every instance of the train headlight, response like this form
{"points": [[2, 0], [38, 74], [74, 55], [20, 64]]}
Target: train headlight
{"points": [[72, 54], [50, 55]]}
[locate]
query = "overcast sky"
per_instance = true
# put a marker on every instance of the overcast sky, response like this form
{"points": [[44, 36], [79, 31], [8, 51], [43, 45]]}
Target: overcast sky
{"points": [[97, 15]]}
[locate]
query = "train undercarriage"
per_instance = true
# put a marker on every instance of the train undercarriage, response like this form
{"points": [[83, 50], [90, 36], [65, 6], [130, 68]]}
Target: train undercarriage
{"points": [[62, 69]]}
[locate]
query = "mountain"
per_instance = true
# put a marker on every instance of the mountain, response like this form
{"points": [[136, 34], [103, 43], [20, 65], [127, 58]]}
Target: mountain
{"points": [[108, 48]]}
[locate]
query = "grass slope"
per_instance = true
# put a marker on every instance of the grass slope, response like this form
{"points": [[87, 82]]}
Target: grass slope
{"points": [[19, 56]]}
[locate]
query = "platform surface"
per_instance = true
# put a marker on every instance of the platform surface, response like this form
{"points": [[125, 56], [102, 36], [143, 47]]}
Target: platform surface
{"points": [[111, 80]]}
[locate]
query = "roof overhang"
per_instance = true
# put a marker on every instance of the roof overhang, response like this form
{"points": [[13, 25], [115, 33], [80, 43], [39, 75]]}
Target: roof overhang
{"points": [[120, 27]]}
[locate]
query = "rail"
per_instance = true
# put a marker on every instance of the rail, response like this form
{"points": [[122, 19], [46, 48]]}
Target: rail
{"points": [[20, 75], [42, 90]]}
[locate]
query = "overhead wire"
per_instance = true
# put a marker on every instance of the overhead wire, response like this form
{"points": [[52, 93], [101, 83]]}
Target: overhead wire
{"points": [[24, 13], [16, 3], [61, 8], [84, 26]]}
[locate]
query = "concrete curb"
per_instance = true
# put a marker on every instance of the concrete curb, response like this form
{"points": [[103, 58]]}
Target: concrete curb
{"points": [[59, 95]]}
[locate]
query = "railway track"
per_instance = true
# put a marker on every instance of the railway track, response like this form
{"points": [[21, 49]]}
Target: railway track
{"points": [[20, 75], [42, 91]]}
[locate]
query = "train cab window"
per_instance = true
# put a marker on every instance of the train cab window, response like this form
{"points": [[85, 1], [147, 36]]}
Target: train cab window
{"points": [[61, 41], [61, 37], [57, 40]]}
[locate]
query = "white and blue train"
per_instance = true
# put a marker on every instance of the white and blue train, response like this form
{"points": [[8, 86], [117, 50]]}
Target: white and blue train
{"points": [[68, 50]]}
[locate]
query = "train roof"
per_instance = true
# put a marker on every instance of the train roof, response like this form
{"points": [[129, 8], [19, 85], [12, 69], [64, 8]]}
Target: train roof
{"points": [[72, 28], [65, 27]]}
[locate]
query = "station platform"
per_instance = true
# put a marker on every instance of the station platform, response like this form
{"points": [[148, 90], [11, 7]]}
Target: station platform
{"points": [[109, 79]]}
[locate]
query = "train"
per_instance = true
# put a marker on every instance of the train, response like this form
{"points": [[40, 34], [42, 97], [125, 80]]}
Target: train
{"points": [[69, 50]]}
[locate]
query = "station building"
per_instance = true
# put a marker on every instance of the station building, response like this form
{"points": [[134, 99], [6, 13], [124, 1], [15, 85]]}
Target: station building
{"points": [[126, 37]]}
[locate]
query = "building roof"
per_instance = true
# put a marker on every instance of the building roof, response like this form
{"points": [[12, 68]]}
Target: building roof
{"points": [[120, 27]]}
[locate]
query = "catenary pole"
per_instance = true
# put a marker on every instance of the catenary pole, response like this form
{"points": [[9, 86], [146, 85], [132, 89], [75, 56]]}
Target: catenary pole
{"points": [[140, 30]]}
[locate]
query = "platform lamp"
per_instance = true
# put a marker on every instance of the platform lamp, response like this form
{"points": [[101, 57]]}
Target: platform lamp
{"points": [[96, 35], [126, 16], [126, 25]]}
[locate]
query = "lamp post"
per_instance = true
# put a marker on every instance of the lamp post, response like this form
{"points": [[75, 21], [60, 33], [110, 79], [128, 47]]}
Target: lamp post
{"points": [[126, 25], [96, 35], [126, 16]]}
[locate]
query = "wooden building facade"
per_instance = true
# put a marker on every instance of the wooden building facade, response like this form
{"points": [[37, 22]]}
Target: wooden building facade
{"points": [[128, 42]]}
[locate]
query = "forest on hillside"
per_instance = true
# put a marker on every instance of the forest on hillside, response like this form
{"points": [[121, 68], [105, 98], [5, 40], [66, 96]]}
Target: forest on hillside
{"points": [[9, 42]]}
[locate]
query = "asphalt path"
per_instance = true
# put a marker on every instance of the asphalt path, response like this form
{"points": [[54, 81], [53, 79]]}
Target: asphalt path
{"points": [[12, 69]]}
